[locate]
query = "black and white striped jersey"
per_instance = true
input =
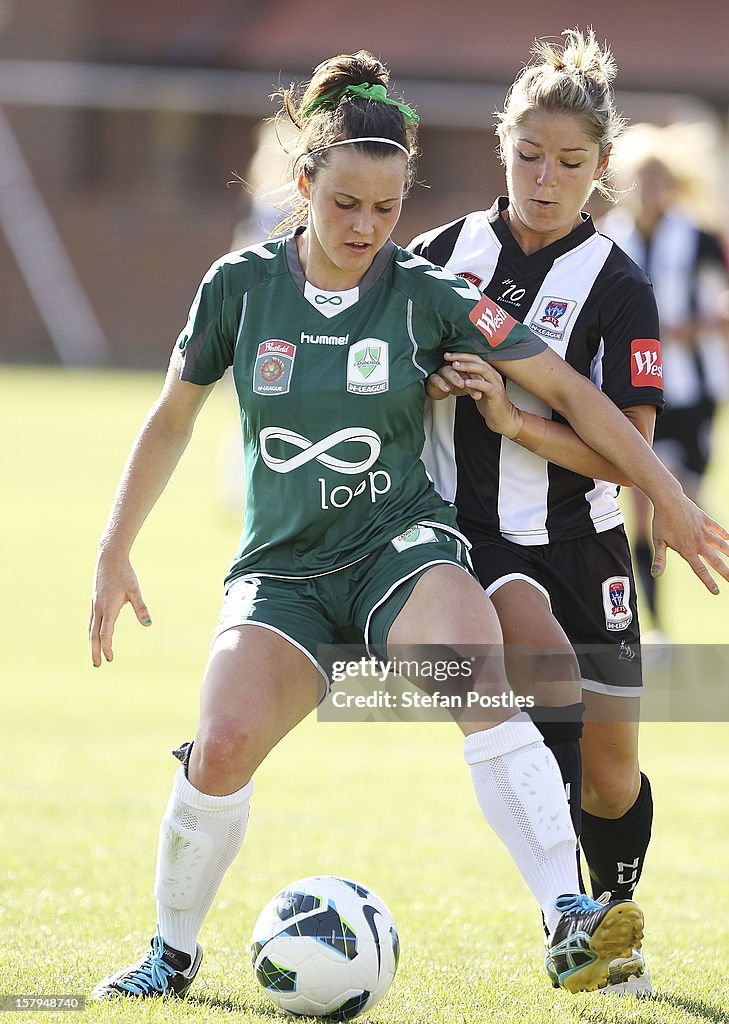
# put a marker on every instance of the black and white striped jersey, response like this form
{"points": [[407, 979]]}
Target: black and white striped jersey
{"points": [[595, 308]]}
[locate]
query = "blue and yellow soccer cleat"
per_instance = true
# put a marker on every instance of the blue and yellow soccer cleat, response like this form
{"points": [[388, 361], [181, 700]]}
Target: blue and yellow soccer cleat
{"points": [[162, 971], [628, 976], [588, 937]]}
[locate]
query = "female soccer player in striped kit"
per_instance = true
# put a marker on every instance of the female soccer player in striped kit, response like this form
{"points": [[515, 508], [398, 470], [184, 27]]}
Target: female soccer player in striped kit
{"points": [[331, 333], [538, 505]]}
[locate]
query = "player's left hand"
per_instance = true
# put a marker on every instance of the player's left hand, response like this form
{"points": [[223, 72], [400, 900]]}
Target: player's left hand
{"points": [[698, 538]]}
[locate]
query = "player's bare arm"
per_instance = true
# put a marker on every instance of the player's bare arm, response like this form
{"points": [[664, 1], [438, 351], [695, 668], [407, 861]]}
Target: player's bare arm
{"points": [[156, 451], [555, 442], [678, 523]]}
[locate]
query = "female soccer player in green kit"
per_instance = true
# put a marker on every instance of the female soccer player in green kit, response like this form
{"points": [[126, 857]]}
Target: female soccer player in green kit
{"points": [[331, 333]]}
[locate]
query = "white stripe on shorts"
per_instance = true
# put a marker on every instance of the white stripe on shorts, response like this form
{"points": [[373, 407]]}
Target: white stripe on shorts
{"points": [[232, 624], [497, 584], [393, 588], [611, 691]]}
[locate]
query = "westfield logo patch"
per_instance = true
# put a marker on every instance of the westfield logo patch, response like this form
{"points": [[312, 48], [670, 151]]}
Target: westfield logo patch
{"points": [[273, 367], [646, 369], [492, 321]]}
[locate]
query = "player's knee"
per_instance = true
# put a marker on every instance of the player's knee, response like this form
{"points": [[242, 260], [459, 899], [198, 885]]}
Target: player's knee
{"points": [[611, 790], [223, 747], [556, 666], [552, 676]]}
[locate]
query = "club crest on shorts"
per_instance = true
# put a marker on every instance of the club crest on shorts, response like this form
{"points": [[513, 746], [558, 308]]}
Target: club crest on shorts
{"points": [[413, 536], [368, 367], [616, 602], [273, 366], [552, 316]]}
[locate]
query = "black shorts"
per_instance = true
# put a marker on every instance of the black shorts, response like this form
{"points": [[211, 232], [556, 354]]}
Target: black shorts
{"points": [[683, 438], [589, 584]]}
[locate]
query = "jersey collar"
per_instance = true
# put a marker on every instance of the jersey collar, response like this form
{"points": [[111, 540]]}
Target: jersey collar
{"points": [[550, 252], [370, 278]]}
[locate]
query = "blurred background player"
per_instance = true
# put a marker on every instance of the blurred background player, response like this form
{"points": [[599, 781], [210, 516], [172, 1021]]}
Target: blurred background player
{"points": [[666, 221], [548, 537], [266, 185]]}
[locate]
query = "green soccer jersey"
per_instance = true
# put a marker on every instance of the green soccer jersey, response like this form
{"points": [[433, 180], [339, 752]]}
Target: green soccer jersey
{"points": [[331, 391]]}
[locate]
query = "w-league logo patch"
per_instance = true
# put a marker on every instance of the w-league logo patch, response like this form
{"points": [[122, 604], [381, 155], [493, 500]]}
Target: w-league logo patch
{"points": [[273, 366], [552, 317], [368, 367], [616, 603]]}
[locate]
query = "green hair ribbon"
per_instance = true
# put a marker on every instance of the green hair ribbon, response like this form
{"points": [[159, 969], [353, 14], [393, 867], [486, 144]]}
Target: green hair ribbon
{"points": [[375, 93]]}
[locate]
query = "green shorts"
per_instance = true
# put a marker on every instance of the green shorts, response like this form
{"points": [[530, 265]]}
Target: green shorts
{"points": [[354, 605]]}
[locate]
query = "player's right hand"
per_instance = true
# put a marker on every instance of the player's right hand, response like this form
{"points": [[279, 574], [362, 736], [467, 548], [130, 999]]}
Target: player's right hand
{"points": [[486, 387], [685, 527], [115, 584], [445, 381]]}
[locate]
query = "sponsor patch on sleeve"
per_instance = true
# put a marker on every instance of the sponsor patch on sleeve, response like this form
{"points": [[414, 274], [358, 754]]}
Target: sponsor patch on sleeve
{"points": [[646, 368], [492, 321]]}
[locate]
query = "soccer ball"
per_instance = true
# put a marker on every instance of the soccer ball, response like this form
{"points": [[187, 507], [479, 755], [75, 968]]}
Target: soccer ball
{"points": [[325, 947]]}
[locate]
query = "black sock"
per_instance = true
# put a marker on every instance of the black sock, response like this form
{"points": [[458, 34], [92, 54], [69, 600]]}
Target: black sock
{"points": [[643, 556], [615, 848], [562, 730]]}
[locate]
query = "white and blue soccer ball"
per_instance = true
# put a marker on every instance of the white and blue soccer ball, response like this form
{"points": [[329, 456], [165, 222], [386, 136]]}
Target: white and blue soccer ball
{"points": [[325, 947]]}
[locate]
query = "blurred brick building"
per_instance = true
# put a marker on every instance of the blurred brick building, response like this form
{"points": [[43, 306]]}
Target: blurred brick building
{"points": [[132, 117]]}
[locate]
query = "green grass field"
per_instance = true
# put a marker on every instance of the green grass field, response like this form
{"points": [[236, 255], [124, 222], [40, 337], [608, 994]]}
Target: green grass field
{"points": [[85, 769]]}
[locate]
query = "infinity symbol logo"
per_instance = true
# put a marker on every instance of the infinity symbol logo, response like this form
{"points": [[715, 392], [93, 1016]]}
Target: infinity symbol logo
{"points": [[336, 300], [310, 451]]}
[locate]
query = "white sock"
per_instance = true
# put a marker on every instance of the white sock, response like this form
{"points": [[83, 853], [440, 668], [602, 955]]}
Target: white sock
{"points": [[198, 839], [521, 794]]}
